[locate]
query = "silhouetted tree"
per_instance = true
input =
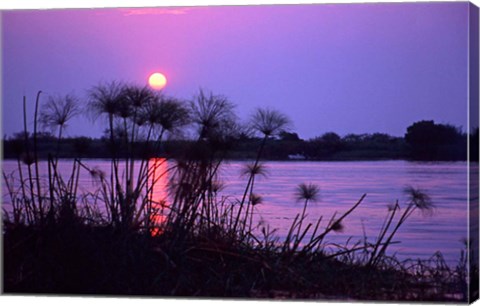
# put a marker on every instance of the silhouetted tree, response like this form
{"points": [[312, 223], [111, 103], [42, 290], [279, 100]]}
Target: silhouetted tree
{"points": [[324, 146], [430, 141], [286, 136], [332, 140]]}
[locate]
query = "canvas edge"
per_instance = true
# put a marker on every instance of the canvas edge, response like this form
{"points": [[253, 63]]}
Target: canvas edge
{"points": [[473, 175]]}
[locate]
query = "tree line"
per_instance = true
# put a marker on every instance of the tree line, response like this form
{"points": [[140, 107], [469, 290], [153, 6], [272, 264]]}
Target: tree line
{"points": [[423, 140], [172, 120]]}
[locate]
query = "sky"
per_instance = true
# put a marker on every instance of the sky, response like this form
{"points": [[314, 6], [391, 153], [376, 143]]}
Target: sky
{"points": [[346, 68]]}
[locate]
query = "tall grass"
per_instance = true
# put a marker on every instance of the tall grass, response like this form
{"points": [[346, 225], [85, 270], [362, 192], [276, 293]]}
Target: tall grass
{"points": [[193, 242]]}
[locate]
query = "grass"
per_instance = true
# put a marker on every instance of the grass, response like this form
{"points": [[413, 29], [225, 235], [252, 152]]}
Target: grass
{"points": [[95, 260], [120, 240]]}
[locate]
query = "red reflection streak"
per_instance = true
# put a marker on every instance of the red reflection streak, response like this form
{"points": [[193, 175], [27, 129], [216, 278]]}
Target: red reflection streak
{"points": [[158, 193]]}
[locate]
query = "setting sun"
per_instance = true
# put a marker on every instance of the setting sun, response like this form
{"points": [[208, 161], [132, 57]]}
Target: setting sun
{"points": [[157, 81]]}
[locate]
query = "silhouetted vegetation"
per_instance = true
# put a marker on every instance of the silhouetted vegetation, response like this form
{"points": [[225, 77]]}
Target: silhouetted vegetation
{"points": [[329, 146], [431, 141], [121, 239]]}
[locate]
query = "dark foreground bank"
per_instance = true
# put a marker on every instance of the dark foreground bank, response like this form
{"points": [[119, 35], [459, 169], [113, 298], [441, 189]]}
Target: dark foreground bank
{"points": [[71, 259]]}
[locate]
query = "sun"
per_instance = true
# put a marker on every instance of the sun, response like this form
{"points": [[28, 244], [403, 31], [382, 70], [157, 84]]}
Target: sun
{"points": [[157, 81]]}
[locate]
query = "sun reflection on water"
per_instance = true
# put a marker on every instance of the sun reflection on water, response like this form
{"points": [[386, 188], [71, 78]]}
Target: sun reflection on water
{"points": [[158, 197]]}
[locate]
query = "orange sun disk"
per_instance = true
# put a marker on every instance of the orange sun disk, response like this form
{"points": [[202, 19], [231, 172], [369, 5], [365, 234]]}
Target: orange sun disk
{"points": [[157, 81]]}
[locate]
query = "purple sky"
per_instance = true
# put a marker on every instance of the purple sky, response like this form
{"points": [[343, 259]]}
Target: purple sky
{"points": [[347, 68]]}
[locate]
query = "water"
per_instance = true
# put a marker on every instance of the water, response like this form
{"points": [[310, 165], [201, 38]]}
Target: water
{"points": [[341, 186], [343, 183]]}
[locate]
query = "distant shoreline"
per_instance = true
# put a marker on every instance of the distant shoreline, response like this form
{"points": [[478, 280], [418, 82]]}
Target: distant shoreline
{"points": [[286, 147]]}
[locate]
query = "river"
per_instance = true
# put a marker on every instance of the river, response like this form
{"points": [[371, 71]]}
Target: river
{"points": [[341, 185]]}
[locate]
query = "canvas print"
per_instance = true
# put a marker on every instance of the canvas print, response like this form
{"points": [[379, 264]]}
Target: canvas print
{"points": [[322, 152]]}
